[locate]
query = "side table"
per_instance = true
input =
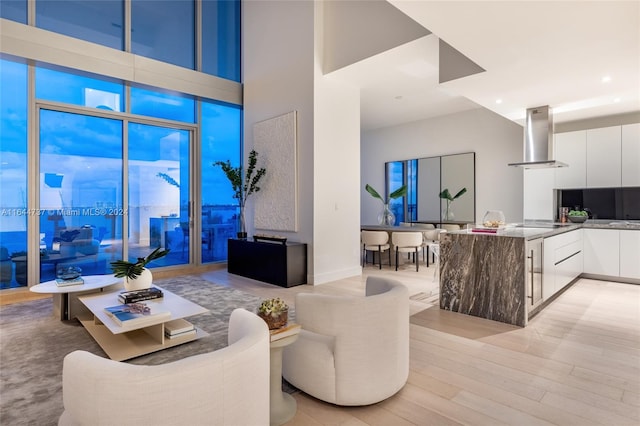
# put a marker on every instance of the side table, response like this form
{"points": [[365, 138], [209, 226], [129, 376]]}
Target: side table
{"points": [[66, 308], [283, 406]]}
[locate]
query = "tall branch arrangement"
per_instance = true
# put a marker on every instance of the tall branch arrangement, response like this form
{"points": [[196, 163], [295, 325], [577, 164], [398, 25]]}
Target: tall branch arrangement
{"points": [[242, 189]]}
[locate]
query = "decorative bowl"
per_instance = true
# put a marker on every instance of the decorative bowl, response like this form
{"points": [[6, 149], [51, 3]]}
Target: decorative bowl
{"points": [[493, 219], [577, 219]]}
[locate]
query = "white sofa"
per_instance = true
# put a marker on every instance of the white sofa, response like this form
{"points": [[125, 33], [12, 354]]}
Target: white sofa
{"points": [[351, 350], [229, 386]]}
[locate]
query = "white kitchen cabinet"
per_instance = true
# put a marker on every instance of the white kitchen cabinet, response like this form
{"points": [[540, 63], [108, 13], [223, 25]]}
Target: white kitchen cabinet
{"points": [[631, 155], [548, 268], [538, 194], [563, 261], [630, 254], [571, 148], [602, 252], [604, 157]]}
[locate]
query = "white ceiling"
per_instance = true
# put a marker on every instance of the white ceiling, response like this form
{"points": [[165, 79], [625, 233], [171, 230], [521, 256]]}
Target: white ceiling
{"points": [[535, 53]]}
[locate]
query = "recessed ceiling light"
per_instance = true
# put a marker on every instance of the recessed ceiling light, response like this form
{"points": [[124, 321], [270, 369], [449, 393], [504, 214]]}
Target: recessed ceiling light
{"points": [[498, 101], [616, 100], [606, 79]]}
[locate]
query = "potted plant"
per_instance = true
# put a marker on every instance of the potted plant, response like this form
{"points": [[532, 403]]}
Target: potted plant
{"points": [[136, 276], [386, 216], [274, 312], [447, 214], [243, 188]]}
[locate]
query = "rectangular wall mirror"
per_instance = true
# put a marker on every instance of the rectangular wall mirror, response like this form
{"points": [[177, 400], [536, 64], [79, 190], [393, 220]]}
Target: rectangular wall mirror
{"points": [[426, 178]]}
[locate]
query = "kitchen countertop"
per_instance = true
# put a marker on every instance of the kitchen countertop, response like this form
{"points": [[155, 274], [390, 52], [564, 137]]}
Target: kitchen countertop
{"points": [[530, 230]]}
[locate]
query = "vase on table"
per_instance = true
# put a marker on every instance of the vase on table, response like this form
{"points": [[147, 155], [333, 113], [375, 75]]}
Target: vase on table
{"points": [[242, 229], [143, 281], [386, 216], [447, 212]]}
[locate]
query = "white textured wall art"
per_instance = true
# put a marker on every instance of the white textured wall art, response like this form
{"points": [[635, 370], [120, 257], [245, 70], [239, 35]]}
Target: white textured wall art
{"points": [[275, 141]]}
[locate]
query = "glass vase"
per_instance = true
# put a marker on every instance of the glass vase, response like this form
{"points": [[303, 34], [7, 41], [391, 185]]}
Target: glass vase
{"points": [[447, 212], [386, 216], [242, 229]]}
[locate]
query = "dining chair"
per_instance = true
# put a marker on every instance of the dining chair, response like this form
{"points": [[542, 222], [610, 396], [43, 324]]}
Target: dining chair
{"points": [[206, 240], [375, 241], [407, 242]]}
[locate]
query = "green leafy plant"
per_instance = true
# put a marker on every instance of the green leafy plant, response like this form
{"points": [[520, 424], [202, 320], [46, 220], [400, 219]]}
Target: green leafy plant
{"points": [[132, 270], [168, 179], [446, 195], [243, 188], [400, 192], [272, 307]]}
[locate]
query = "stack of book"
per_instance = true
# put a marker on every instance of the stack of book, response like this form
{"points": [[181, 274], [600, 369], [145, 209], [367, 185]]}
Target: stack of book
{"points": [[138, 314], [140, 295], [178, 328], [73, 281]]}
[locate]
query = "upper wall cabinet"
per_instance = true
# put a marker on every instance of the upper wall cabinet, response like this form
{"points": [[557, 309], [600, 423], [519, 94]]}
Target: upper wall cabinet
{"points": [[604, 157], [631, 155], [571, 148]]}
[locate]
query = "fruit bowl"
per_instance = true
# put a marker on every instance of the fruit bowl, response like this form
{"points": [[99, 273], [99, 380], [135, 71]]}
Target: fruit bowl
{"points": [[577, 219]]}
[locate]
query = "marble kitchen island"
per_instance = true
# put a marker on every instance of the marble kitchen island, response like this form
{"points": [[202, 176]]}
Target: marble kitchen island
{"points": [[486, 275]]}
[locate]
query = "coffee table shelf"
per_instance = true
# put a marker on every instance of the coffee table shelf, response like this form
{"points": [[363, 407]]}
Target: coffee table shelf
{"points": [[125, 342]]}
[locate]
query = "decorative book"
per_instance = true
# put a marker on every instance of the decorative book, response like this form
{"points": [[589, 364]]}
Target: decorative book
{"points": [[286, 331], [73, 281], [140, 295], [177, 327], [138, 313], [485, 230]]}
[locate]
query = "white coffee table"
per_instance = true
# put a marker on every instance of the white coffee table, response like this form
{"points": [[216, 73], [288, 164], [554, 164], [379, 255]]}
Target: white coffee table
{"points": [[65, 307], [129, 341]]}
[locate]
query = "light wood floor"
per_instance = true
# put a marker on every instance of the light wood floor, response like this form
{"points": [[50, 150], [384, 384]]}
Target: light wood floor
{"points": [[576, 363]]}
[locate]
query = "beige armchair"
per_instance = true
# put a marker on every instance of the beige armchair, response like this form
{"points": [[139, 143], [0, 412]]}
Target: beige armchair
{"points": [[352, 350], [229, 386]]}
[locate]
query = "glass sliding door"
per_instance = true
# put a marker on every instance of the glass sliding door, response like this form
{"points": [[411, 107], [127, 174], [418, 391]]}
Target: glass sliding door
{"points": [[81, 210], [13, 174], [158, 183]]}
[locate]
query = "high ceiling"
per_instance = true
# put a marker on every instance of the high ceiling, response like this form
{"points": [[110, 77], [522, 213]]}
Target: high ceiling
{"points": [[581, 58]]}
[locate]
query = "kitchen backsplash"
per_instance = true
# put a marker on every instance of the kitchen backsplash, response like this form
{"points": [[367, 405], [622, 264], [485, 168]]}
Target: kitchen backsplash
{"points": [[603, 203]]}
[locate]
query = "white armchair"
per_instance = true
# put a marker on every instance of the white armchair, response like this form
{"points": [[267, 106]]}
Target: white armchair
{"points": [[212, 388], [352, 350]]}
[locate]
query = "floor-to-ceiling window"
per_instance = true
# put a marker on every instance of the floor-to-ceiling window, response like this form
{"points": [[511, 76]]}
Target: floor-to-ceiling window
{"points": [[13, 172], [114, 168]]}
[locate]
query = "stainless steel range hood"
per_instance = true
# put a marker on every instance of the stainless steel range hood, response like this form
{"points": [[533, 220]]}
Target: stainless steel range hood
{"points": [[538, 140]]}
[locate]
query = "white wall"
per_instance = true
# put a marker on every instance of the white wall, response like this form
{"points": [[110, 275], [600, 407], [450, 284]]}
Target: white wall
{"points": [[278, 67], [495, 140], [282, 72]]}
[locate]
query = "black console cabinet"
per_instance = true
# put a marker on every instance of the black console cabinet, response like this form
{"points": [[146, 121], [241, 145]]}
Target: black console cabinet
{"points": [[272, 262]]}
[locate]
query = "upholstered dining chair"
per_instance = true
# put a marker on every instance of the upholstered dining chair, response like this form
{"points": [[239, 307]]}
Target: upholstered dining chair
{"points": [[375, 241], [407, 242]]}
